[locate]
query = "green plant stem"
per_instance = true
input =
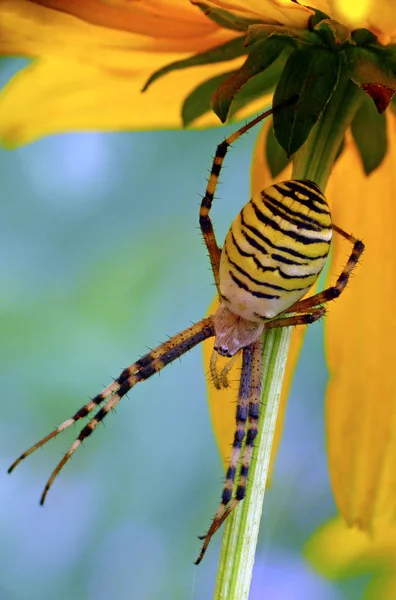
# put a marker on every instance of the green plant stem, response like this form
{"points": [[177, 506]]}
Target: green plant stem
{"points": [[314, 161]]}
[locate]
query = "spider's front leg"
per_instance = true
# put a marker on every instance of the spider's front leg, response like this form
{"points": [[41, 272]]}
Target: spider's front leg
{"points": [[145, 367], [205, 221]]}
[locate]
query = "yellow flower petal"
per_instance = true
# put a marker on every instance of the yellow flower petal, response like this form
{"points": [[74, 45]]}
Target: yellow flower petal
{"points": [[360, 343], [337, 551], [279, 12], [163, 18], [33, 30], [377, 15], [55, 95], [90, 77]]}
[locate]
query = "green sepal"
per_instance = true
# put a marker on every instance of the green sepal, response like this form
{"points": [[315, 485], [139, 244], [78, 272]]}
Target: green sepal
{"points": [[316, 18], [224, 52], [198, 103], [224, 18], [275, 155], [259, 33], [261, 84], [261, 56], [312, 76], [334, 34], [340, 150], [367, 66], [363, 37], [369, 132]]}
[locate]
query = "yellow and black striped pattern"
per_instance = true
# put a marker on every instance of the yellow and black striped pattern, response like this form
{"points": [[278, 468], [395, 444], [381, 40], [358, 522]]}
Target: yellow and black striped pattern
{"points": [[275, 250]]}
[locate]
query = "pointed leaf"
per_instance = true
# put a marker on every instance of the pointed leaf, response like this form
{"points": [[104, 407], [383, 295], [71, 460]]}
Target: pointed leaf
{"points": [[197, 102], [369, 132], [276, 157], [258, 33], [380, 94], [260, 57], [228, 51], [317, 18], [334, 34], [258, 86], [372, 67], [313, 76], [224, 18], [363, 37]]}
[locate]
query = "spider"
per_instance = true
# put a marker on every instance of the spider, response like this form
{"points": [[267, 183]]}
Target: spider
{"points": [[272, 255]]}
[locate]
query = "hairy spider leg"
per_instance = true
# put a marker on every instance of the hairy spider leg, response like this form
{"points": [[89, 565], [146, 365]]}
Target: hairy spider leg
{"points": [[205, 221], [145, 367], [248, 409], [335, 290]]}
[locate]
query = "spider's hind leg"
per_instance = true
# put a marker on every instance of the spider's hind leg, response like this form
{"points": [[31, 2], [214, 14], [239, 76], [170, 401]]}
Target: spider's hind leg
{"points": [[332, 292], [247, 410]]}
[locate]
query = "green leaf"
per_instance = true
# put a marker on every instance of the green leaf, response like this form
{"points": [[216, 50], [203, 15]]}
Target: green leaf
{"points": [[363, 37], [276, 157], [313, 76], [261, 84], [224, 18], [333, 34], [340, 149], [392, 105], [369, 132], [367, 66], [260, 57], [197, 102], [259, 33], [223, 53], [316, 18]]}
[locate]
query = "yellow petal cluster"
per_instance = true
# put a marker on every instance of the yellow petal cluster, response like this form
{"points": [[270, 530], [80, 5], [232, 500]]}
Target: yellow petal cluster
{"points": [[93, 58], [89, 77], [359, 340]]}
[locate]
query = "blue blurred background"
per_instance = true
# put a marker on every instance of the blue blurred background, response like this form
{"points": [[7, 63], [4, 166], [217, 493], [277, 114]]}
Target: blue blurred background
{"points": [[101, 258]]}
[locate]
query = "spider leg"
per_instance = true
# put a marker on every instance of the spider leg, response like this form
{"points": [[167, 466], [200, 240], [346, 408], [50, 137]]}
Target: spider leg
{"points": [[334, 291], [305, 318], [141, 370], [248, 408], [80, 414], [205, 221]]}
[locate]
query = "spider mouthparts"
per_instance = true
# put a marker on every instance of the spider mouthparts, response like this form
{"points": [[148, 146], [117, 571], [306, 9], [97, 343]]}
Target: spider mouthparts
{"points": [[223, 351]]}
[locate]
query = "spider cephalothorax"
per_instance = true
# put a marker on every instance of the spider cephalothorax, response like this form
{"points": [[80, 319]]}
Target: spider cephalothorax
{"points": [[272, 255]]}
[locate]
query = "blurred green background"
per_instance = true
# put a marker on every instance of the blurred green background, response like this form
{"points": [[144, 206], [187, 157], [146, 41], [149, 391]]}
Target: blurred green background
{"points": [[101, 258]]}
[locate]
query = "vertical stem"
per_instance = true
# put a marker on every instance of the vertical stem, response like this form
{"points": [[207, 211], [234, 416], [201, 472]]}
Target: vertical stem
{"points": [[236, 561], [314, 161]]}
